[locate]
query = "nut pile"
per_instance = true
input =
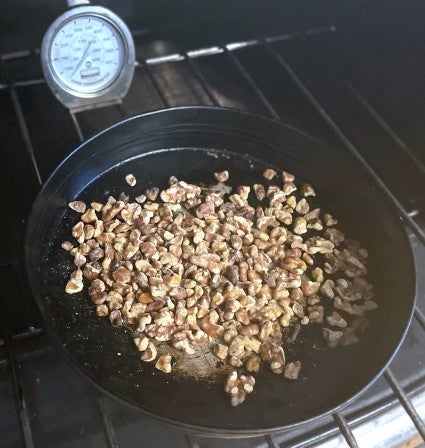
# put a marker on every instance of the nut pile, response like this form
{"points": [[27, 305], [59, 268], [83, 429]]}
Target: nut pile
{"points": [[190, 266]]}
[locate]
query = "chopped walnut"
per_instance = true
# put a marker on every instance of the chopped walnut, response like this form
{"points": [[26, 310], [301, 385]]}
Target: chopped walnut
{"points": [[77, 206], [287, 177], [149, 354], [75, 283], [307, 190], [152, 193], [164, 363], [89, 216], [238, 386], [141, 343], [221, 351], [260, 191], [253, 363], [222, 176], [131, 180], [329, 220], [336, 320], [192, 267], [269, 174], [332, 337], [140, 199], [67, 245], [292, 370]]}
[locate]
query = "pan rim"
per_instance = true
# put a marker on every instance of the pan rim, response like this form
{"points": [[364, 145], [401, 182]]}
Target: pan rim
{"points": [[203, 429]]}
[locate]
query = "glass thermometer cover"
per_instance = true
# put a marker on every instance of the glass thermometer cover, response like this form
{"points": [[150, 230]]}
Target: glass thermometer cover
{"points": [[88, 57]]}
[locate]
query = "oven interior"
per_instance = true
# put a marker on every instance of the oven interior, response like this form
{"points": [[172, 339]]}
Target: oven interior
{"points": [[350, 73]]}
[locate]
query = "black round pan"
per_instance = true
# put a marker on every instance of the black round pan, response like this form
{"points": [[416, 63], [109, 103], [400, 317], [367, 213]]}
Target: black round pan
{"points": [[192, 143]]}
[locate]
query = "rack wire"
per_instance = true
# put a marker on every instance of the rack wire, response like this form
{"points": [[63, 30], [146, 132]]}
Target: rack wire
{"points": [[341, 422]]}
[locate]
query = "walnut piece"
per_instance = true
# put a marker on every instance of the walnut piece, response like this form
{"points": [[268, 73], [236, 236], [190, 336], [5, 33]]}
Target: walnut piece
{"points": [[164, 363], [222, 176], [292, 370], [269, 174], [77, 206], [237, 386], [131, 180]]}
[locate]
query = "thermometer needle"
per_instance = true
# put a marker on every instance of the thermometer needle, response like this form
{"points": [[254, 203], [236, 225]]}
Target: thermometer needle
{"points": [[82, 59]]}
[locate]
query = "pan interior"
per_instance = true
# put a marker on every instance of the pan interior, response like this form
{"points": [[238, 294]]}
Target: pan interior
{"points": [[328, 378]]}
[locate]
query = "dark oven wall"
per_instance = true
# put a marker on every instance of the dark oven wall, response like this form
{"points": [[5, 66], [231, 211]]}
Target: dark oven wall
{"points": [[22, 22], [194, 22]]}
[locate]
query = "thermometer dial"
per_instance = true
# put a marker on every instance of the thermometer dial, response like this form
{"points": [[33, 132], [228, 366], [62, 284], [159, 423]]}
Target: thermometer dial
{"points": [[88, 57], [87, 54]]}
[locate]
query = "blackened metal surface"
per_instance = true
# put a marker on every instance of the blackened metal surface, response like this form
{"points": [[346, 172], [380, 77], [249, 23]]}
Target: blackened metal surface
{"points": [[153, 147], [43, 111], [9, 423], [313, 59], [17, 190]]}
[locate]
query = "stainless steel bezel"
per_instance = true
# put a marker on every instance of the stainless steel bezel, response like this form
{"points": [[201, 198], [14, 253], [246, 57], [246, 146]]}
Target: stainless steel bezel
{"points": [[117, 89]]}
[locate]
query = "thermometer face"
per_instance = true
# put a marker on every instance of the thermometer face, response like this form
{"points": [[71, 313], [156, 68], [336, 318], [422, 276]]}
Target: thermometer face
{"points": [[86, 54]]}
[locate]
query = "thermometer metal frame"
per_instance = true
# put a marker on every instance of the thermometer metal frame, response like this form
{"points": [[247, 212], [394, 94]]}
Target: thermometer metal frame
{"points": [[113, 93]]}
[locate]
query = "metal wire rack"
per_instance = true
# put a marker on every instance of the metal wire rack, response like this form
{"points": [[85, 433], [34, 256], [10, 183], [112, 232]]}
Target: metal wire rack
{"points": [[157, 86]]}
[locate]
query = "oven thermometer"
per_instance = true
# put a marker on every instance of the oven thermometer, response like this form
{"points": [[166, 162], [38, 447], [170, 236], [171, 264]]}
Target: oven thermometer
{"points": [[88, 56]]}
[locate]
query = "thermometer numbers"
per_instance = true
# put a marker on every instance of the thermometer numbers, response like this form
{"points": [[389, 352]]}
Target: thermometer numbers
{"points": [[87, 54]]}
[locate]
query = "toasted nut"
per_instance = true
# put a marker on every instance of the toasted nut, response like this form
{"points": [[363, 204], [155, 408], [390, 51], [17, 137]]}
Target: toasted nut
{"points": [[164, 363], [140, 199], [222, 176], [102, 310], [141, 343], [79, 260], [145, 298], [291, 201], [221, 351], [183, 344], [97, 206], [336, 320], [265, 222], [315, 313], [252, 364], [77, 206], [210, 327], [260, 191], [238, 386], [327, 289], [332, 337], [302, 207], [288, 188], [152, 193], [122, 275], [287, 177], [292, 370], [329, 220], [307, 190], [89, 216], [309, 288], [131, 180], [149, 354], [300, 225], [67, 245], [116, 318], [78, 232], [75, 283], [269, 173], [317, 274]]}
